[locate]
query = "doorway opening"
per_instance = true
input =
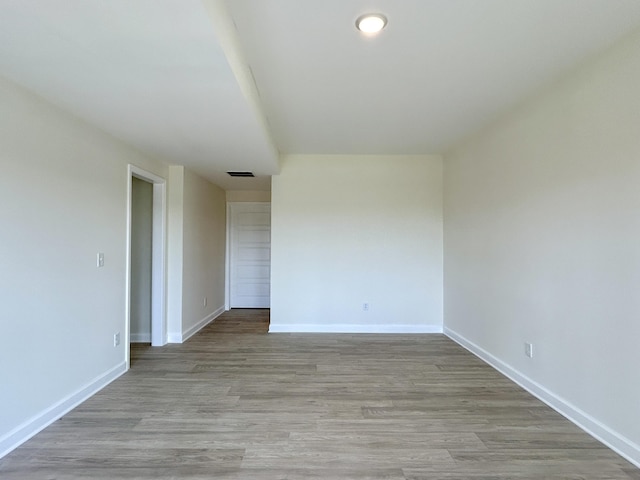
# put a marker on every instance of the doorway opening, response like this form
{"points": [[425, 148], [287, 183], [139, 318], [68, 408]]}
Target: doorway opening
{"points": [[248, 277], [146, 278], [141, 256]]}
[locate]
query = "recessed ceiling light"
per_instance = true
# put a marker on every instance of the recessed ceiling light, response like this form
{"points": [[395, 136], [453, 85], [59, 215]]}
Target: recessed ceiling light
{"points": [[371, 23]]}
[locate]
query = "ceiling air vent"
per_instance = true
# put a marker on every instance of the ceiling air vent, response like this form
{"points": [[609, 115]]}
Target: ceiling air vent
{"points": [[241, 174]]}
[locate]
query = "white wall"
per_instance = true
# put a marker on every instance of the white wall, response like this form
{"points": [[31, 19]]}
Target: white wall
{"points": [[204, 252], [542, 244], [197, 237], [63, 199], [175, 252], [141, 237], [248, 196], [353, 229]]}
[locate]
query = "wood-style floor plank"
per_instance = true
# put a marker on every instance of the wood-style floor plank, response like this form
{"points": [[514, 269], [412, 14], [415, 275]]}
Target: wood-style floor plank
{"points": [[234, 403]]}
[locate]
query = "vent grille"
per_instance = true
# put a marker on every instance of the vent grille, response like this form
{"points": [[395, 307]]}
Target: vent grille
{"points": [[241, 174]]}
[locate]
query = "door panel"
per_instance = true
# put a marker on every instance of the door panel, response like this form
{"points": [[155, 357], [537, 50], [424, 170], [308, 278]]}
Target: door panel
{"points": [[250, 262]]}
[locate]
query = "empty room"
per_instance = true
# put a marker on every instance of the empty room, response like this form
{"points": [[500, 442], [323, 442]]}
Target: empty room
{"points": [[328, 239]]}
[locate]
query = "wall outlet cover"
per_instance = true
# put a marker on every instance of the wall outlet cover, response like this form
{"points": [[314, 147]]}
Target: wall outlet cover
{"points": [[528, 349]]}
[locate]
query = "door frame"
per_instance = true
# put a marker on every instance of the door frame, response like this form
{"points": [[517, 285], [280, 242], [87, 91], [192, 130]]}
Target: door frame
{"points": [[158, 256], [227, 270]]}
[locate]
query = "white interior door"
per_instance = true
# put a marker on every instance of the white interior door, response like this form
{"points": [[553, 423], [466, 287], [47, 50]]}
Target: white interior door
{"points": [[250, 255]]}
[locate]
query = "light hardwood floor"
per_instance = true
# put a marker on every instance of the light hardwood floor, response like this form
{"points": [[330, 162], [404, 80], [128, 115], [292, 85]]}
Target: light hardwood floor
{"points": [[235, 403]]}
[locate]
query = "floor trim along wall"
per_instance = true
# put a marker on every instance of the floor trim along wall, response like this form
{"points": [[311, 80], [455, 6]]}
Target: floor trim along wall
{"points": [[31, 427], [190, 332], [618, 443], [346, 328]]}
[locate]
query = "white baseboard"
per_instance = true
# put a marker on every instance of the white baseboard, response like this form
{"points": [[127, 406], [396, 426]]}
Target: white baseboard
{"points": [[39, 422], [190, 332], [353, 328], [612, 439], [140, 338], [173, 337]]}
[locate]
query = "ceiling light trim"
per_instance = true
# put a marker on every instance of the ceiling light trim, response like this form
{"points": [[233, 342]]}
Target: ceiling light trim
{"points": [[371, 23]]}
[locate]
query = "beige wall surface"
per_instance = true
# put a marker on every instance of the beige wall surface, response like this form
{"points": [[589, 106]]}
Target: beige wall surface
{"points": [[63, 199], [204, 250], [197, 243], [349, 230], [542, 242], [248, 196]]}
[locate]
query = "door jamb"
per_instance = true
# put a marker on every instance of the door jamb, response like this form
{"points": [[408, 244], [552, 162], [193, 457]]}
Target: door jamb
{"points": [[227, 260], [158, 256]]}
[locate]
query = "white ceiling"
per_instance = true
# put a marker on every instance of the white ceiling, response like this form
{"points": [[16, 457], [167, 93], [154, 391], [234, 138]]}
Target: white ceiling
{"points": [[439, 71], [169, 77], [150, 72]]}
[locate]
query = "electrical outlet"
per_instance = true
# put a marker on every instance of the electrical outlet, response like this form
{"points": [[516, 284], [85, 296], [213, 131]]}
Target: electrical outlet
{"points": [[204, 301], [116, 339], [528, 349], [100, 260], [365, 307]]}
